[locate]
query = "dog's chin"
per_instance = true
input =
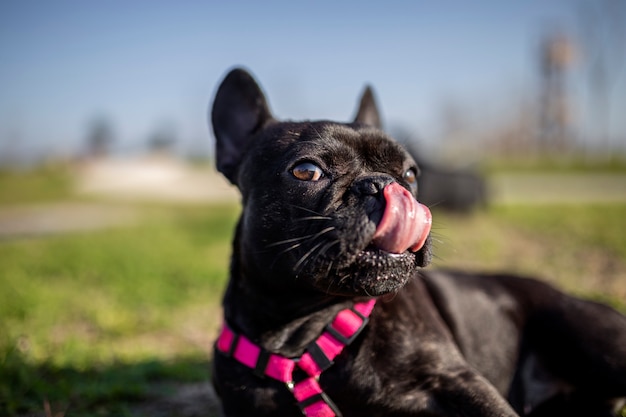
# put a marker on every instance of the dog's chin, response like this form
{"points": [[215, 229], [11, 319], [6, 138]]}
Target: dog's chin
{"points": [[377, 272], [373, 272]]}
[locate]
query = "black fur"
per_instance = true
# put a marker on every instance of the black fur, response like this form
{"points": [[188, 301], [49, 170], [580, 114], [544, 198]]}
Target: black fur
{"points": [[439, 343]]}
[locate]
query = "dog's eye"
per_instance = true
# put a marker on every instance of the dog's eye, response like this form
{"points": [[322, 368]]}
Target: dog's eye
{"points": [[307, 171], [410, 176]]}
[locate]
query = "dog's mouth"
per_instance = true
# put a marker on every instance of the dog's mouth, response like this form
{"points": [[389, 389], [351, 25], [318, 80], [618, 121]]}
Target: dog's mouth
{"points": [[405, 223], [397, 249]]}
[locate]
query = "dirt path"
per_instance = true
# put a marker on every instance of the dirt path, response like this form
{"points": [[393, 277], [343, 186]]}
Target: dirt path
{"points": [[112, 194], [62, 217], [558, 188]]}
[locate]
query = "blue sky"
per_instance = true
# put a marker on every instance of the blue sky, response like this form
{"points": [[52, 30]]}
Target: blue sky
{"points": [[145, 64]]}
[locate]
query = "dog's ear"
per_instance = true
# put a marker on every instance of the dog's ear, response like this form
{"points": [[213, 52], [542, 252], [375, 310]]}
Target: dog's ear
{"points": [[368, 110], [239, 111]]}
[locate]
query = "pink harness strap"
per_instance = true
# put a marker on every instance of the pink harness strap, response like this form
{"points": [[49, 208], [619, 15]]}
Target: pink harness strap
{"points": [[319, 355]]}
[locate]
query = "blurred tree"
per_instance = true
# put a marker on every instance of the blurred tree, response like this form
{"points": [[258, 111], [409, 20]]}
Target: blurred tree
{"points": [[99, 137], [163, 139]]}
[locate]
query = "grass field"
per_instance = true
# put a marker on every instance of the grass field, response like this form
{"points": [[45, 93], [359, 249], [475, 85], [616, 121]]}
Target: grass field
{"points": [[101, 323], [95, 318]]}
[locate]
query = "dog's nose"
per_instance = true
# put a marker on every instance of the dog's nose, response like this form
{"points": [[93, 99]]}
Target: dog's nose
{"points": [[371, 184]]}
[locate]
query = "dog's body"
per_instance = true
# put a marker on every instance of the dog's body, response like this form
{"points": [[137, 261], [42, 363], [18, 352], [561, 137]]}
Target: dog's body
{"points": [[321, 230]]}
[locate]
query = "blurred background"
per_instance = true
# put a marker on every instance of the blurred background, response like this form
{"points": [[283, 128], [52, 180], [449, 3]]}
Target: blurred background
{"points": [[115, 228], [121, 91], [126, 79]]}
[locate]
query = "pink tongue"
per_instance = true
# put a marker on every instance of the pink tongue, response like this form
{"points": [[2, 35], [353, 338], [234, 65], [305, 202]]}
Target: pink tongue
{"points": [[405, 223]]}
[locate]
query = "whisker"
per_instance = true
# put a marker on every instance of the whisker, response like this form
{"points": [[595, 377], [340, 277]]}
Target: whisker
{"points": [[438, 258], [313, 218], [293, 239], [328, 246], [317, 133], [330, 283], [330, 266], [323, 231], [300, 241], [330, 263], [290, 248], [392, 295], [306, 209], [297, 239], [305, 256], [343, 278], [437, 240], [435, 204]]}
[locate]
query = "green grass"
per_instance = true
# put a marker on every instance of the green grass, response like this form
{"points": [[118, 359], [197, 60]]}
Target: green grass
{"points": [[596, 225], [99, 389], [98, 323], [99, 307]]}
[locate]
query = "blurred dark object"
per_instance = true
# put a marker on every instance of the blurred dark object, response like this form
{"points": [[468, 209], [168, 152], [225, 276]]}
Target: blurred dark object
{"points": [[458, 190]]}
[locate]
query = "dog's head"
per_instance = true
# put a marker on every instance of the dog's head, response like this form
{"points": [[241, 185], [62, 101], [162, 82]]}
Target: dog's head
{"points": [[329, 207]]}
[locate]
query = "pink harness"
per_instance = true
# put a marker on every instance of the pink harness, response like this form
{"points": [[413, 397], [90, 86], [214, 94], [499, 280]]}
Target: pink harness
{"points": [[318, 357]]}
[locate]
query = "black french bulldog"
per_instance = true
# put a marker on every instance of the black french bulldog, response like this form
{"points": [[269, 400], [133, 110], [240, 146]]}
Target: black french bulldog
{"points": [[328, 312]]}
